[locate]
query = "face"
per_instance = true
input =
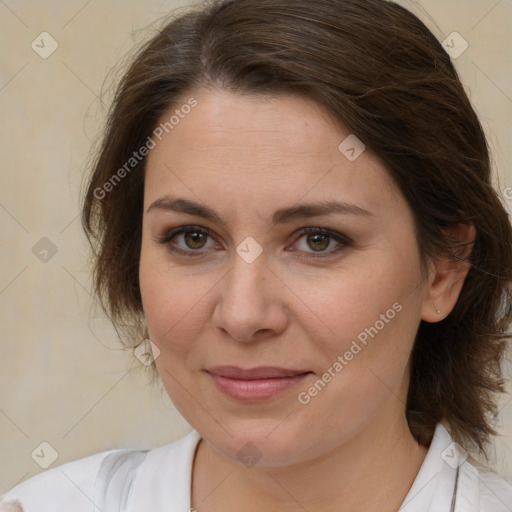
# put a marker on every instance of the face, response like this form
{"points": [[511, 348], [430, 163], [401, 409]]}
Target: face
{"points": [[267, 246]]}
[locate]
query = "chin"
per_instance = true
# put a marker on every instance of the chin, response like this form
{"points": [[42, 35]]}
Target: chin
{"points": [[261, 442]]}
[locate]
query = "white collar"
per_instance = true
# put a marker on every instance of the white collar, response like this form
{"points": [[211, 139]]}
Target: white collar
{"points": [[445, 482], [171, 464]]}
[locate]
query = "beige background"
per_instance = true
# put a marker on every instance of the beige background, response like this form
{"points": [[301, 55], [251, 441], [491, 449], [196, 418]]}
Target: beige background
{"points": [[63, 377]]}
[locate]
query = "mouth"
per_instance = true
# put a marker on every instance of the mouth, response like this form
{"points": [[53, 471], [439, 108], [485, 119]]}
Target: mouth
{"points": [[255, 384]]}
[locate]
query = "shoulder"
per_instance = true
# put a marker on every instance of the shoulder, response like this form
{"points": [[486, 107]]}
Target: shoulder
{"points": [[495, 492], [451, 479], [111, 480], [69, 486]]}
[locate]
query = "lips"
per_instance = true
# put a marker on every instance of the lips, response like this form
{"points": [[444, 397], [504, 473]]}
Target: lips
{"points": [[255, 384], [261, 372]]}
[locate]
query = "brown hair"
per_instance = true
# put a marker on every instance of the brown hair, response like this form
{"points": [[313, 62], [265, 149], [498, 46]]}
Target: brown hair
{"points": [[383, 74]]}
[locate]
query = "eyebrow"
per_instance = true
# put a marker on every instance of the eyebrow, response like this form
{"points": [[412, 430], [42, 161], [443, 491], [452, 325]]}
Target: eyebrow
{"points": [[281, 216]]}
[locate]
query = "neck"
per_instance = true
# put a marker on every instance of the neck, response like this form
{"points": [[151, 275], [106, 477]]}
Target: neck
{"points": [[373, 472]]}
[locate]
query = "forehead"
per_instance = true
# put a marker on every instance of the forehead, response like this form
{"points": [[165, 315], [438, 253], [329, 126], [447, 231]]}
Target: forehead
{"points": [[261, 149]]}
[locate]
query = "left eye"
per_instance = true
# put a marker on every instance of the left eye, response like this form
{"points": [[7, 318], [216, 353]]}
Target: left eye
{"points": [[319, 240]]}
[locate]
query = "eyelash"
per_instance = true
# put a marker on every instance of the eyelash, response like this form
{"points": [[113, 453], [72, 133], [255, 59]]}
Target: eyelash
{"points": [[341, 239]]}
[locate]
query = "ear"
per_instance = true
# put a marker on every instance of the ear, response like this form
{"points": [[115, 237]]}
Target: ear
{"points": [[447, 275]]}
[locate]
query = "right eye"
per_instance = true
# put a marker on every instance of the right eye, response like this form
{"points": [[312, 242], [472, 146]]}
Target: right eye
{"points": [[188, 240]]}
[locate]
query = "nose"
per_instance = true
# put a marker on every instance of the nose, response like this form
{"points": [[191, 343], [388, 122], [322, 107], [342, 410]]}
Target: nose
{"points": [[250, 302]]}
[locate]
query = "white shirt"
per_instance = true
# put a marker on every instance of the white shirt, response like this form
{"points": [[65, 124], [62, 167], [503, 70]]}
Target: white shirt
{"points": [[159, 480]]}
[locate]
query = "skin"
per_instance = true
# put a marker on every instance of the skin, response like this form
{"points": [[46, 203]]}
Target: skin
{"points": [[245, 157]]}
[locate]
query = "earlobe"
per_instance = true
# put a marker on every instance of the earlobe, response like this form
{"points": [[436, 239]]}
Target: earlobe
{"points": [[448, 273]]}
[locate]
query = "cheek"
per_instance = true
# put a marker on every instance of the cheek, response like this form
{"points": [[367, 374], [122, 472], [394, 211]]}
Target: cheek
{"points": [[365, 356], [386, 293], [175, 302], [372, 313], [171, 307]]}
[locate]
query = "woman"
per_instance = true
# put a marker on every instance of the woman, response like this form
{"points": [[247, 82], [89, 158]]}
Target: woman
{"points": [[292, 201]]}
